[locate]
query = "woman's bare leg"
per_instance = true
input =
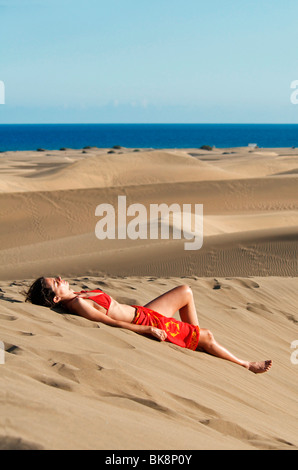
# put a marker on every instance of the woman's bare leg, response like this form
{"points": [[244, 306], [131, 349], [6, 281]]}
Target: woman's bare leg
{"points": [[178, 299], [181, 299], [208, 344]]}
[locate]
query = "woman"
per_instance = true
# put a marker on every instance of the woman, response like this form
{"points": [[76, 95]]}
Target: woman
{"points": [[154, 319]]}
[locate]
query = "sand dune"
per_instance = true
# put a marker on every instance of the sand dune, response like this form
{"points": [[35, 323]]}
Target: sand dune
{"points": [[46, 227], [106, 170], [69, 383]]}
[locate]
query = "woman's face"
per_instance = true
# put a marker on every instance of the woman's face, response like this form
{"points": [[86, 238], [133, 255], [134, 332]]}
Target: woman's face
{"points": [[58, 286]]}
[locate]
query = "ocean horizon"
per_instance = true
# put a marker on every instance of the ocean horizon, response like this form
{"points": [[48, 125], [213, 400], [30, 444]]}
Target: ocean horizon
{"points": [[19, 137]]}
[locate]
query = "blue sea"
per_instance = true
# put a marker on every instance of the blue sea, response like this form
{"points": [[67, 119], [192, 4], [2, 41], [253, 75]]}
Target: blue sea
{"points": [[156, 136]]}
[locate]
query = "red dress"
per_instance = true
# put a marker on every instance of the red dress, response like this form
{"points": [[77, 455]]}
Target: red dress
{"points": [[180, 333]]}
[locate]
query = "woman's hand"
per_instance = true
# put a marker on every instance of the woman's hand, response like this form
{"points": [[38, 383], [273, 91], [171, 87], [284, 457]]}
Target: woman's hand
{"points": [[157, 333]]}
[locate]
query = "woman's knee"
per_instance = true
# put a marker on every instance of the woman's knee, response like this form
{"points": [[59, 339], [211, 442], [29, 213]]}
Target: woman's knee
{"points": [[186, 291]]}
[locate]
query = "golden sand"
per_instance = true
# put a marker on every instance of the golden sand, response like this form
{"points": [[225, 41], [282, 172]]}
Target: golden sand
{"points": [[67, 383]]}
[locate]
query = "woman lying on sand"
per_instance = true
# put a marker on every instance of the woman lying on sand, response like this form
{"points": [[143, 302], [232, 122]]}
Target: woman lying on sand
{"points": [[154, 319]]}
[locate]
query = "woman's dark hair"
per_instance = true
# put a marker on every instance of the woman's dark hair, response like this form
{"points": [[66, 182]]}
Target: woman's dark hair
{"points": [[40, 294]]}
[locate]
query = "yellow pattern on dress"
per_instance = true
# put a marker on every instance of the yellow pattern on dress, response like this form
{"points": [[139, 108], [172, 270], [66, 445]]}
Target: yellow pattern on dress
{"points": [[168, 325]]}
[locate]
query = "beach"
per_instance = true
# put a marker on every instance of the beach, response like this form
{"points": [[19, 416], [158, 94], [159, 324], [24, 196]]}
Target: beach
{"points": [[68, 383]]}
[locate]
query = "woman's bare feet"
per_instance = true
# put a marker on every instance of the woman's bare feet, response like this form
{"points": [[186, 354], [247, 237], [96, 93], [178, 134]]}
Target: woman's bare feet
{"points": [[259, 367]]}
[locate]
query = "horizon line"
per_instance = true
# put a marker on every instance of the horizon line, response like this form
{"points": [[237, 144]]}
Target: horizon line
{"points": [[149, 123]]}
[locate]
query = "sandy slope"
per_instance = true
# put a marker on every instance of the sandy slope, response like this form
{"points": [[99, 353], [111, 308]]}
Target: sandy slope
{"points": [[66, 383]]}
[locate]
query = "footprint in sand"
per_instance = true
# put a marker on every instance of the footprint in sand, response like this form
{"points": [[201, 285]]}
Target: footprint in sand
{"points": [[257, 308], [17, 443], [248, 283], [66, 370], [13, 349], [8, 317], [234, 430], [55, 382]]}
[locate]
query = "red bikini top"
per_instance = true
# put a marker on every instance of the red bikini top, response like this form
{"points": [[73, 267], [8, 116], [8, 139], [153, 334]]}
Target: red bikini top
{"points": [[102, 299]]}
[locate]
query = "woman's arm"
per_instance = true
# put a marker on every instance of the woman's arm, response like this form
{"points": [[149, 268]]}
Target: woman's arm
{"points": [[84, 309]]}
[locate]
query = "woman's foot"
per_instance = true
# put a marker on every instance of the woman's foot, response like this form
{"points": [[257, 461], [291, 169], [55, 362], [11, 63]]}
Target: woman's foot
{"points": [[259, 367]]}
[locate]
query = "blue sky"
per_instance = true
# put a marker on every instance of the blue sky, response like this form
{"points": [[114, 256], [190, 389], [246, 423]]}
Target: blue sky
{"points": [[157, 61]]}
